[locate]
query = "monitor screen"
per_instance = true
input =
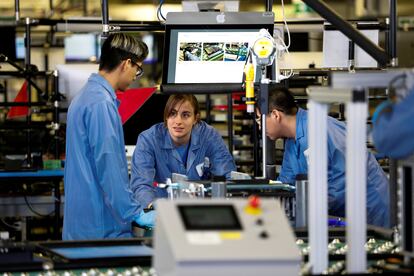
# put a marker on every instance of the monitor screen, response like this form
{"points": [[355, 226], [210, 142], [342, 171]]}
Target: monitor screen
{"points": [[149, 40], [7, 44], [217, 57], [81, 47], [20, 49], [209, 217], [209, 48], [113, 251]]}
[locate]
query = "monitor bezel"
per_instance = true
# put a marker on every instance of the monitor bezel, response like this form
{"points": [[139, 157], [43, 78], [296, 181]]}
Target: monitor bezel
{"points": [[199, 23]]}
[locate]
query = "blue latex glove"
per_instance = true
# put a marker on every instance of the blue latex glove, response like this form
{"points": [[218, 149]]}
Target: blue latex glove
{"points": [[145, 219]]}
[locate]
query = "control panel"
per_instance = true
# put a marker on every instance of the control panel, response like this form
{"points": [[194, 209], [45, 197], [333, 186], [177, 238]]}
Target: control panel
{"points": [[252, 235]]}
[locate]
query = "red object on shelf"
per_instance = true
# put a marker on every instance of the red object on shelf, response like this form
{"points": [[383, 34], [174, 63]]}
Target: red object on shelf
{"points": [[236, 96], [225, 107], [19, 111], [132, 100]]}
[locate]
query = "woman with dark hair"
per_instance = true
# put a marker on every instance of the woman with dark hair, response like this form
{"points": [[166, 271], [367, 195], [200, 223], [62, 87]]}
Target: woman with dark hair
{"points": [[182, 144]]}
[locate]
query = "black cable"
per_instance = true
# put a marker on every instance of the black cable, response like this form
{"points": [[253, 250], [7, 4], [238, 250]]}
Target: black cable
{"points": [[14, 227], [159, 11], [392, 84], [34, 211]]}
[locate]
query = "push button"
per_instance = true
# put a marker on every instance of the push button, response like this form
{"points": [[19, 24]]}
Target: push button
{"points": [[263, 235]]}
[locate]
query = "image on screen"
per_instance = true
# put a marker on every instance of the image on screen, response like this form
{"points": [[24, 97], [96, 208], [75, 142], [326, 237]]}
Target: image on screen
{"points": [[236, 51], [190, 51], [209, 217], [213, 51]]}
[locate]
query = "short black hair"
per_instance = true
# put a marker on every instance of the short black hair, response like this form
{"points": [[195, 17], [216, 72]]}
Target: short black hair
{"points": [[282, 99], [118, 47]]}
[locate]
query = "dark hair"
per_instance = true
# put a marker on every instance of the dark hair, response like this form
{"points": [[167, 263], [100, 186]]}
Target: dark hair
{"points": [[281, 99], [173, 100], [118, 47]]}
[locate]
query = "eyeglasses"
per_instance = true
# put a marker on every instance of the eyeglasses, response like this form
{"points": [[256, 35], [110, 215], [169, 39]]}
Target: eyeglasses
{"points": [[140, 71]]}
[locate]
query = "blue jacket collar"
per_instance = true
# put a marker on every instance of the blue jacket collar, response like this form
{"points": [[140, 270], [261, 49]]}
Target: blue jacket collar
{"points": [[95, 77], [301, 122], [194, 146]]}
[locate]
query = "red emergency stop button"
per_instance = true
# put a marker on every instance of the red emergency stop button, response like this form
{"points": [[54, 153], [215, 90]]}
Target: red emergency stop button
{"points": [[254, 201], [253, 206]]}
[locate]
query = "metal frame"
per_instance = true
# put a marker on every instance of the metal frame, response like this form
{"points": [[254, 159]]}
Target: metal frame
{"points": [[351, 89], [406, 207], [356, 102], [352, 33], [54, 177]]}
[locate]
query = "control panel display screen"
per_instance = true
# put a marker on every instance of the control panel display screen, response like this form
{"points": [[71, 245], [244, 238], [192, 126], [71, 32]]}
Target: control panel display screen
{"points": [[209, 217]]}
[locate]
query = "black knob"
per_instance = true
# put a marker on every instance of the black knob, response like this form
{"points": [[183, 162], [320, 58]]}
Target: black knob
{"points": [[263, 235], [259, 221]]}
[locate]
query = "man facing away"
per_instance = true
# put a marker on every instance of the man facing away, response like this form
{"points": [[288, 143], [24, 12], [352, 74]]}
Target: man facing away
{"points": [[98, 200]]}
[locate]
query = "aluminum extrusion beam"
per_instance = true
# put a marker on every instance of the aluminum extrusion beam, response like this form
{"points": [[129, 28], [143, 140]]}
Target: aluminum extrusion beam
{"points": [[393, 33], [371, 79], [105, 18], [319, 98], [356, 183], [350, 31], [17, 9], [318, 186]]}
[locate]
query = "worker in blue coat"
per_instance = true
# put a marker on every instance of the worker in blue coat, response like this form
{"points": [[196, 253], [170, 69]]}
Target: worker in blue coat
{"points": [[393, 128], [286, 120], [182, 144], [98, 201]]}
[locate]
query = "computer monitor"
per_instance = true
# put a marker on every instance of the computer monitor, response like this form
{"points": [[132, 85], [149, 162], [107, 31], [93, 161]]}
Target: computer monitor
{"points": [[81, 47], [152, 55], [20, 49], [7, 44], [205, 52], [111, 252], [148, 38]]}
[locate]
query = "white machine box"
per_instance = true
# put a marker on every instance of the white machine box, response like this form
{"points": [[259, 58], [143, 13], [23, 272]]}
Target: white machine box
{"points": [[224, 237]]}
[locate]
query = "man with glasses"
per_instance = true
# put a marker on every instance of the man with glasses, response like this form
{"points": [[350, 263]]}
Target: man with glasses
{"points": [[98, 200], [286, 120], [140, 71]]}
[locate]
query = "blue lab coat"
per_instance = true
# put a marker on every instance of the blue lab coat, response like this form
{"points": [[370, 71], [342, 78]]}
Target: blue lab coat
{"points": [[155, 159], [294, 162], [98, 201], [393, 130]]}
